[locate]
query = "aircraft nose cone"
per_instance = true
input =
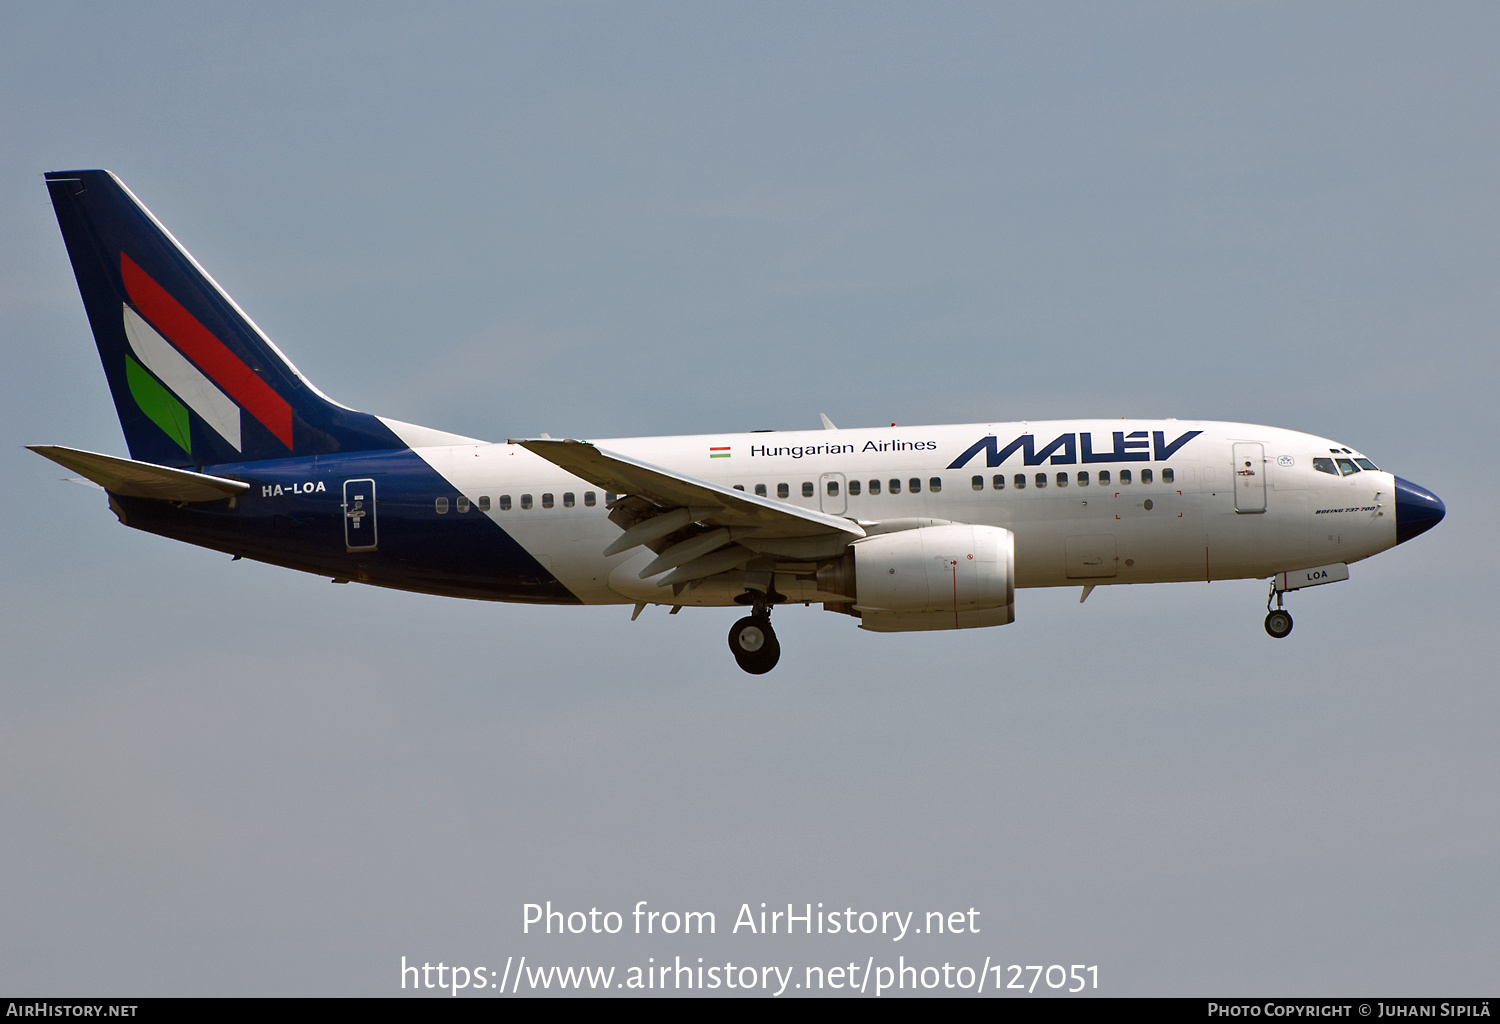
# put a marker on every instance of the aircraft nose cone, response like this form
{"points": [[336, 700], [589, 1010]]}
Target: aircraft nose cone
{"points": [[1417, 510]]}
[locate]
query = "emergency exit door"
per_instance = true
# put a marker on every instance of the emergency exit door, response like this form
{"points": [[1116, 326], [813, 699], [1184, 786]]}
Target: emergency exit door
{"points": [[832, 499]]}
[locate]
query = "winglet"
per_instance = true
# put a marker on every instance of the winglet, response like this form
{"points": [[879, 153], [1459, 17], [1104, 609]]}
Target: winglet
{"points": [[827, 423]]}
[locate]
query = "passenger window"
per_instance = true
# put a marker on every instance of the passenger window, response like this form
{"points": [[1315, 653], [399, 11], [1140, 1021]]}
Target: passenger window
{"points": [[895, 486], [1062, 479], [462, 503], [1124, 476], [505, 503], [977, 483], [783, 490], [833, 488], [1146, 476], [853, 486], [1325, 466], [1348, 466], [442, 506], [1041, 479], [998, 481], [484, 503], [1103, 478], [547, 500], [567, 499], [935, 484], [609, 498], [1168, 476], [760, 490], [525, 501], [1020, 481], [1083, 478], [1367, 464], [739, 487], [807, 489], [874, 486], [914, 485], [588, 498]]}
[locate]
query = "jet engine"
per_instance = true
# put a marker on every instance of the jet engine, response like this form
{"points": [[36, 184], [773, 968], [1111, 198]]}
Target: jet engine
{"points": [[936, 577]]}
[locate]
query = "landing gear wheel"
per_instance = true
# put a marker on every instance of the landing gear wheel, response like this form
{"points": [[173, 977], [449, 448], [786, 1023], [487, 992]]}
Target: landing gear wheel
{"points": [[754, 644], [1279, 623]]}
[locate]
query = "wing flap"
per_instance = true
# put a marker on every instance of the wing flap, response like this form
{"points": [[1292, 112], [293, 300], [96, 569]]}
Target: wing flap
{"points": [[142, 479]]}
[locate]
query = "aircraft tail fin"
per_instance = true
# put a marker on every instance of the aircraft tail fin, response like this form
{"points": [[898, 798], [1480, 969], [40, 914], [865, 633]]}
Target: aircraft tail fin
{"points": [[194, 381]]}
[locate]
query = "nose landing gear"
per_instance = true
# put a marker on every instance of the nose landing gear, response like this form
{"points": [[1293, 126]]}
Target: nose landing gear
{"points": [[1278, 621]]}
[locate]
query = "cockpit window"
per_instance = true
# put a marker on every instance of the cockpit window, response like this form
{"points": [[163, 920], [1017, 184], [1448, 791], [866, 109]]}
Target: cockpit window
{"points": [[1348, 466], [1367, 464], [1325, 466]]}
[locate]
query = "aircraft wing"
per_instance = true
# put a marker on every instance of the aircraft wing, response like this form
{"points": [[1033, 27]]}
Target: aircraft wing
{"points": [[142, 479], [719, 506]]}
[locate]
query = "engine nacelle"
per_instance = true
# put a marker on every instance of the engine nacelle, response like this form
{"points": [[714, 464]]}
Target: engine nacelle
{"points": [[936, 577]]}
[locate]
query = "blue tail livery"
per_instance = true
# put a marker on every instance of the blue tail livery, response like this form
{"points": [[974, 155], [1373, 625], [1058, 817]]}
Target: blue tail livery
{"points": [[195, 382]]}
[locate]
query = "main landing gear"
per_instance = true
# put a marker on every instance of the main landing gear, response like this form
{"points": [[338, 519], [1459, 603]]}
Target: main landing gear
{"points": [[752, 640], [1278, 621], [754, 644]]}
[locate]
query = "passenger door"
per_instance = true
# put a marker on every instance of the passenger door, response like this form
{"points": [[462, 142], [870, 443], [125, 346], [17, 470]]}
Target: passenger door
{"points": [[359, 515], [1249, 477]]}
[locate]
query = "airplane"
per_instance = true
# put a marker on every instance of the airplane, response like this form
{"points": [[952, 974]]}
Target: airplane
{"points": [[900, 528]]}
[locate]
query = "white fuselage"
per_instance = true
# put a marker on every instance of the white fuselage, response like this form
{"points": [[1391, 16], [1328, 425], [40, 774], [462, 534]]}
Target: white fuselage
{"points": [[1233, 501]]}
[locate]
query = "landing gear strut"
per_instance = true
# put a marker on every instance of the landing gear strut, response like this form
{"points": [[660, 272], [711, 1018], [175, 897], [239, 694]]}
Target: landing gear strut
{"points": [[1278, 621], [753, 641]]}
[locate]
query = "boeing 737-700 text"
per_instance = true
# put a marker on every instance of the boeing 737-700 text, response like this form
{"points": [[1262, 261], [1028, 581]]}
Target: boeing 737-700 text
{"points": [[911, 528]]}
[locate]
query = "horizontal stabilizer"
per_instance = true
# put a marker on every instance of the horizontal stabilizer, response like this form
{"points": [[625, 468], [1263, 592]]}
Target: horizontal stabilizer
{"points": [[142, 479]]}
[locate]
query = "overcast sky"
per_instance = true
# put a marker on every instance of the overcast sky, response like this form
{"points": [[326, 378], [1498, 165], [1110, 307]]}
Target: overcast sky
{"points": [[622, 219]]}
